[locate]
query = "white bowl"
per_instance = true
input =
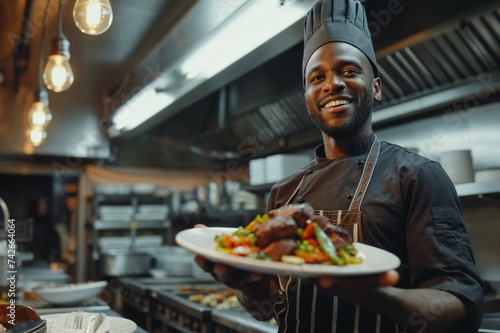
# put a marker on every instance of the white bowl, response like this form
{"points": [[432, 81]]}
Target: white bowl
{"points": [[70, 293], [158, 273]]}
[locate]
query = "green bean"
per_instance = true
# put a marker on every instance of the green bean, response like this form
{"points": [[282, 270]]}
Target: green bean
{"points": [[327, 246]]}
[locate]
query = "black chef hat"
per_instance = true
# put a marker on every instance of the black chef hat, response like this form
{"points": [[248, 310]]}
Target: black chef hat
{"points": [[337, 21]]}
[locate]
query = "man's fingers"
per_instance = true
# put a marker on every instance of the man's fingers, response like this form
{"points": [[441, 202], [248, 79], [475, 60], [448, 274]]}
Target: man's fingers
{"points": [[388, 279], [204, 264]]}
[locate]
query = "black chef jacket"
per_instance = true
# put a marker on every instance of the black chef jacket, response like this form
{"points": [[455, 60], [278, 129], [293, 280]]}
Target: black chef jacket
{"points": [[411, 209]]}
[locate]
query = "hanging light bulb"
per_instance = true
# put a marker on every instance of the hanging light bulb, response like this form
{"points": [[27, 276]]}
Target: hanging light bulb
{"points": [[93, 17], [37, 135], [39, 114], [58, 75]]}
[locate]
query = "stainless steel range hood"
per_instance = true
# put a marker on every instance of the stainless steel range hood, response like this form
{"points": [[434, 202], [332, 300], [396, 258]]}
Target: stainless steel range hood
{"points": [[256, 106], [203, 52]]}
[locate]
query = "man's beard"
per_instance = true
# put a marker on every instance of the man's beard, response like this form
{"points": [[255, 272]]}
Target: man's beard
{"points": [[349, 129]]}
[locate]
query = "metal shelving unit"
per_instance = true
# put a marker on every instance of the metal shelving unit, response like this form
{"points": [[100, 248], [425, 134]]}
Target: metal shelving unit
{"points": [[130, 216], [479, 189]]}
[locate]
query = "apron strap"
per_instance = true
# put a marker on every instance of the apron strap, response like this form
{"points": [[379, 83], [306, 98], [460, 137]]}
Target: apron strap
{"points": [[366, 176], [289, 201]]}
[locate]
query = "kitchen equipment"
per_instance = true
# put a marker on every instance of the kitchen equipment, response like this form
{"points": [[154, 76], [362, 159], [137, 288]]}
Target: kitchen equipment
{"points": [[124, 262], [282, 165], [112, 189], [158, 273], [144, 188], [491, 175], [36, 326], [125, 242], [74, 293], [174, 261], [458, 165], [22, 314], [214, 194]]}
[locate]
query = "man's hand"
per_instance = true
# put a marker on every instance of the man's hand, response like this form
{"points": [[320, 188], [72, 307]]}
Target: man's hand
{"points": [[231, 277], [386, 279]]}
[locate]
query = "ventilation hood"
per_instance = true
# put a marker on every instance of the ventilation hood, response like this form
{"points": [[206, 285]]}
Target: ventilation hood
{"points": [[204, 46], [432, 56], [445, 58]]}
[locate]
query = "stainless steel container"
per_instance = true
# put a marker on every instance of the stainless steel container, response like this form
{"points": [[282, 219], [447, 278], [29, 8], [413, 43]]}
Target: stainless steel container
{"points": [[124, 263]]}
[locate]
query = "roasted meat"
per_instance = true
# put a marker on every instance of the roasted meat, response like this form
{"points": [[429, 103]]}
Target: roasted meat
{"points": [[339, 236], [320, 220], [279, 248], [300, 213], [278, 227]]}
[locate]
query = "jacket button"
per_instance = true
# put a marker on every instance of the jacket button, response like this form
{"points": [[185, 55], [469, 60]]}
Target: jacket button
{"points": [[301, 200], [361, 162], [350, 196], [309, 170]]}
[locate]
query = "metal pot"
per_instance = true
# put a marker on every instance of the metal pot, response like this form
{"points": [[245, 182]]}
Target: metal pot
{"points": [[124, 263]]}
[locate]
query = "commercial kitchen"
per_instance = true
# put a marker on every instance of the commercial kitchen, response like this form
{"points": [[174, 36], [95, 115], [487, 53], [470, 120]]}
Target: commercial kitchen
{"points": [[178, 113]]}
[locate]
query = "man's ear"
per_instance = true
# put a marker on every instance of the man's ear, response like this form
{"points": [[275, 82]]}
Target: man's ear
{"points": [[377, 89]]}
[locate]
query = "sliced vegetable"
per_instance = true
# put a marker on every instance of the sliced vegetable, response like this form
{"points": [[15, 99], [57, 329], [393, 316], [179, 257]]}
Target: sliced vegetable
{"points": [[314, 257], [308, 231], [327, 246], [313, 246], [294, 260]]}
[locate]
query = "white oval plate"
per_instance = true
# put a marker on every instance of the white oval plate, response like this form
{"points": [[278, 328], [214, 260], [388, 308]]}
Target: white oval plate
{"points": [[201, 241], [73, 293]]}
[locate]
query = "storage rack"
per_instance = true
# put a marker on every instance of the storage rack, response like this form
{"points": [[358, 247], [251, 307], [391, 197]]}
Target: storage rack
{"points": [[133, 224]]}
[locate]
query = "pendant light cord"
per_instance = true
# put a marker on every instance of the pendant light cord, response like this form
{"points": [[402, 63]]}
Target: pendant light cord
{"points": [[59, 25], [42, 47]]}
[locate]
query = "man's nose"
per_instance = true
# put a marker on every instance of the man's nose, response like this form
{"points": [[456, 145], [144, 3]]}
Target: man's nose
{"points": [[334, 83]]}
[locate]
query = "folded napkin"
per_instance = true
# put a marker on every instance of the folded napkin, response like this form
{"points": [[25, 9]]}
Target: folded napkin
{"points": [[90, 323]]}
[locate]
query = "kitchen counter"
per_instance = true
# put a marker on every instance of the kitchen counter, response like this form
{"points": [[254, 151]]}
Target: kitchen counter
{"points": [[164, 305]]}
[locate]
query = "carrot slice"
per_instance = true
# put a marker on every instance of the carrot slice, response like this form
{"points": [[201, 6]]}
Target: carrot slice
{"points": [[308, 231]]}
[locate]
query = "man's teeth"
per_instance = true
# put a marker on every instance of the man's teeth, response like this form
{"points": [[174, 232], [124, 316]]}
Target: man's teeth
{"points": [[335, 103]]}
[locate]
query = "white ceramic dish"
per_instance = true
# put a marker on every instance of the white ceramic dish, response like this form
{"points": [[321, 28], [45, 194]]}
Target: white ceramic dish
{"points": [[158, 273], [57, 323], [491, 175], [201, 241], [70, 293]]}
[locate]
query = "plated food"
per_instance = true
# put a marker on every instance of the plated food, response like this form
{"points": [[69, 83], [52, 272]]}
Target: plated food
{"points": [[363, 259], [291, 234]]}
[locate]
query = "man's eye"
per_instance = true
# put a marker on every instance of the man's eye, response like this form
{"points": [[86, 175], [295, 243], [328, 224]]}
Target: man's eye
{"points": [[351, 71], [316, 77]]}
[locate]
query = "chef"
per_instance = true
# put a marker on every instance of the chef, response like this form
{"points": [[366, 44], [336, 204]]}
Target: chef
{"points": [[384, 195]]}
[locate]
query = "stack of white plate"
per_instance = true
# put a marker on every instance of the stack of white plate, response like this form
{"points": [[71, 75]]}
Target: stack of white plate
{"points": [[151, 212], [115, 213], [112, 189], [458, 165], [245, 200], [491, 175], [144, 188], [257, 171], [125, 242], [283, 165]]}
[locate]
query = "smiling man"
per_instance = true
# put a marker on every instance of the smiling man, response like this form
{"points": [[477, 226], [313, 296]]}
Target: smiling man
{"points": [[382, 194]]}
